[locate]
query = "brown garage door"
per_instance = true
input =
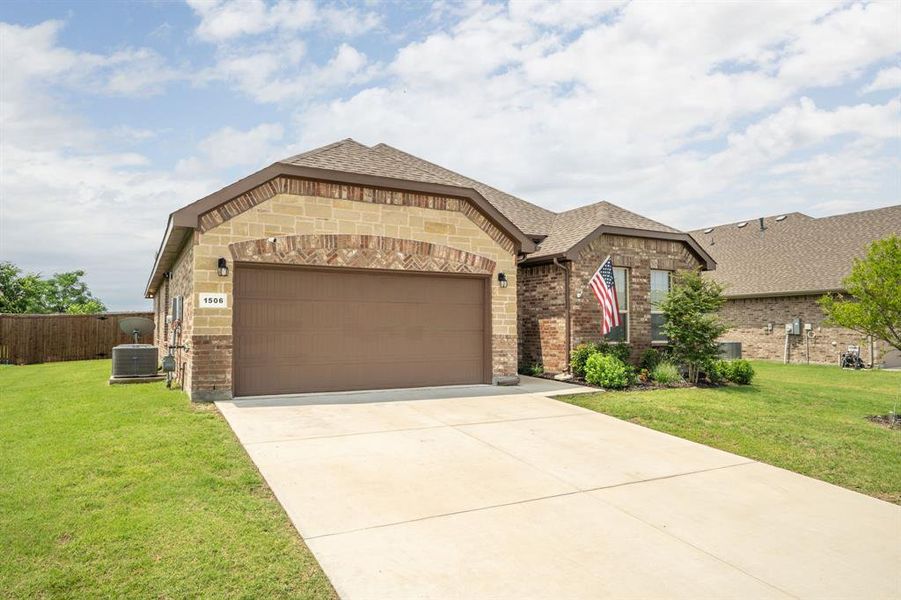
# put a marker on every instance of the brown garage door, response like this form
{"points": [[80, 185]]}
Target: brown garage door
{"points": [[312, 330]]}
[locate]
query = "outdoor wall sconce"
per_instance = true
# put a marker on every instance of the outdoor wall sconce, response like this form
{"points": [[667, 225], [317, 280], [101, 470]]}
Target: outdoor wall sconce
{"points": [[222, 269], [502, 279]]}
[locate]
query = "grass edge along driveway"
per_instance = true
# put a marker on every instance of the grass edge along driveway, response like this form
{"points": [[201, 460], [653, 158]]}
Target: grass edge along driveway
{"points": [[131, 491], [805, 418]]}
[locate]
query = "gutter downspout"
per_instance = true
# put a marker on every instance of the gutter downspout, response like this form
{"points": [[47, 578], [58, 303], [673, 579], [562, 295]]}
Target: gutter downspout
{"points": [[568, 313]]}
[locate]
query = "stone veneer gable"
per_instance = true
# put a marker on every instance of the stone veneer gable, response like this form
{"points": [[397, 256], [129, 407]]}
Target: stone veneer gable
{"points": [[307, 187]]}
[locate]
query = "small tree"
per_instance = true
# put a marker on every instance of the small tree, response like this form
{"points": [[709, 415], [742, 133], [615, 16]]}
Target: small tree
{"points": [[691, 323], [90, 307], [29, 293], [873, 306]]}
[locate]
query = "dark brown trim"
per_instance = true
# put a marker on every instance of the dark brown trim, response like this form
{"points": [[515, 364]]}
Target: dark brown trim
{"points": [[174, 242], [488, 350], [573, 253]]}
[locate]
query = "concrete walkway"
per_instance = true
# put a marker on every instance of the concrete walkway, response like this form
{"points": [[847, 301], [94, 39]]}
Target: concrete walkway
{"points": [[486, 492]]}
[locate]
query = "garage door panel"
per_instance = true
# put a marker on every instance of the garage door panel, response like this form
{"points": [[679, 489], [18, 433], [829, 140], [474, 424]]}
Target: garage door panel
{"points": [[258, 350], [306, 330]]}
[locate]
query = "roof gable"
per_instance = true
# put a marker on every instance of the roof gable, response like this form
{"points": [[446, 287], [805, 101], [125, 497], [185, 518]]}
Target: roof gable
{"points": [[382, 166], [533, 220]]}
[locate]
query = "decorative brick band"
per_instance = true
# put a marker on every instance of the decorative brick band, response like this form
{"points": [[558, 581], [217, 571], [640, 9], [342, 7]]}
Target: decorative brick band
{"points": [[308, 187], [361, 251]]}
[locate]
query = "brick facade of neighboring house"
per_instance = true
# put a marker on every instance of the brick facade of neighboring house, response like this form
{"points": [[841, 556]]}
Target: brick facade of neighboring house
{"points": [[542, 301], [774, 269], [759, 324]]}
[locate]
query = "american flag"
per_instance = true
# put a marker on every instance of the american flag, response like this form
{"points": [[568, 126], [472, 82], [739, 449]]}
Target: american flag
{"points": [[604, 287]]}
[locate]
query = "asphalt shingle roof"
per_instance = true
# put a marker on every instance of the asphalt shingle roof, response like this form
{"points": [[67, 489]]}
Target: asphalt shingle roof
{"points": [[561, 231], [571, 227], [797, 254]]}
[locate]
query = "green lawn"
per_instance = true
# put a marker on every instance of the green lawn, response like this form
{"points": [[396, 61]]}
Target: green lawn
{"points": [[809, 419], [129, 491]]}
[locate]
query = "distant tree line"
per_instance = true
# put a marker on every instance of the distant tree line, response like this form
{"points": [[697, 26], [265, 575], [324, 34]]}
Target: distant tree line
{"points": [[30, 293]]}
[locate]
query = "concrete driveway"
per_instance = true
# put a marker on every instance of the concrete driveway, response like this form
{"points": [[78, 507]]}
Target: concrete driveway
{"points": [[486, 492]]}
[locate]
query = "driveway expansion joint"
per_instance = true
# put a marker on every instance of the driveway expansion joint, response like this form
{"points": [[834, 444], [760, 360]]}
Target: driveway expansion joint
{"points": [[527, 501]]}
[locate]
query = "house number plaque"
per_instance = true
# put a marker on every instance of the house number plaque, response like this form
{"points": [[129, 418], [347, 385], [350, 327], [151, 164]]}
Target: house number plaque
{"points": [[213, 301]]}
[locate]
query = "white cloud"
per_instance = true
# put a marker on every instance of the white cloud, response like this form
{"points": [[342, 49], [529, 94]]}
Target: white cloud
{"points": [[68, 202], [689, 113], [886, 79], [31, 54], [225, 20], [565, 15], [282, 74], [229, 147], [623, 110]]}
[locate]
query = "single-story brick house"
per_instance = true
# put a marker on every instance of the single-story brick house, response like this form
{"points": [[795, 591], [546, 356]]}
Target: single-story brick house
{"points": [[774, 269], [355, 267]]}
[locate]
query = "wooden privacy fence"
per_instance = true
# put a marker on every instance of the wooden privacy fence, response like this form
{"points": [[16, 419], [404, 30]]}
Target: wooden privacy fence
{"points": [[27, 339]]}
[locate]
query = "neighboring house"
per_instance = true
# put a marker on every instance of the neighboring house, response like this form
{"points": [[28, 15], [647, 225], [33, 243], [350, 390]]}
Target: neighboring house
{"points": [[775, 269], [354, 267]]}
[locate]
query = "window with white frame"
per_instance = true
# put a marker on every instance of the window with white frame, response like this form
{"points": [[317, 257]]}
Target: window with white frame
{"points": [[660, 287], [621, 280]]}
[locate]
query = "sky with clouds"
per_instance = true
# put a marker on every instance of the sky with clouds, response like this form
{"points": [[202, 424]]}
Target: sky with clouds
{"points": [[114, 114]]}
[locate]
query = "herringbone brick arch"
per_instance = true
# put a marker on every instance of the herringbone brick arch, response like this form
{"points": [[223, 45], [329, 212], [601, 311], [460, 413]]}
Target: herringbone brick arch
{"points": [[360, 251]]}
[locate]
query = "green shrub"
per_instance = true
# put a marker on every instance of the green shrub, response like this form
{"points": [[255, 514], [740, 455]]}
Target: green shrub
{"points": [[650, 358], [607, 371], [621, 351], [579, 356], [536, 370], [737, 371], [740, 372], [666, 373], [717, 372]]}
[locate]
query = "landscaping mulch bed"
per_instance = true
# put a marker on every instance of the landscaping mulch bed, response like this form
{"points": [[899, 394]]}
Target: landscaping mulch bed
{"points": [[640, 386], [889, 421]]}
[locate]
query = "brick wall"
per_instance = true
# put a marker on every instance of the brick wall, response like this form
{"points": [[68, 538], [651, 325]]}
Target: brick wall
{"points": [[640, 256], [542, 317], [211, 376], [542, 322], [749, 318], [181, 283], [299, 212]]}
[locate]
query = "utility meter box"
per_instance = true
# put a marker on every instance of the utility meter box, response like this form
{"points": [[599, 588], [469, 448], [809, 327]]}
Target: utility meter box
{"points": [[796, 327], [177, 308]]}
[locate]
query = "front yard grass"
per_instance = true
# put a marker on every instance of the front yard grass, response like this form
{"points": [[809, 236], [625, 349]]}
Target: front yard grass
{"points": [[129, 491], [806, 418]]}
